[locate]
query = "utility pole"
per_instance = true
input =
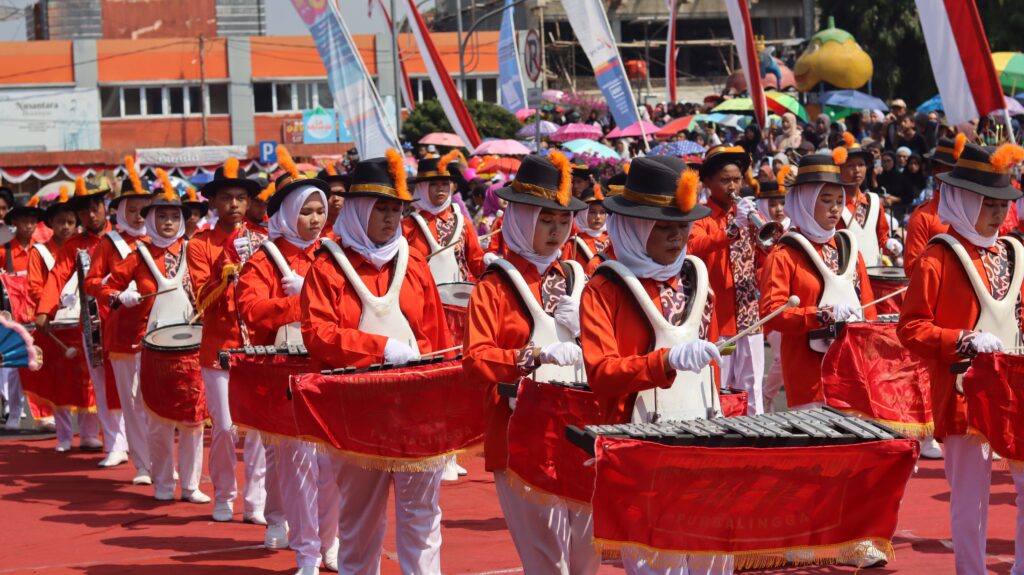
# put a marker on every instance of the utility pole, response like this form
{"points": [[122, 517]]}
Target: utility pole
{"points": [[543, 40], [202, 82], [397, 71], [462, 57]]}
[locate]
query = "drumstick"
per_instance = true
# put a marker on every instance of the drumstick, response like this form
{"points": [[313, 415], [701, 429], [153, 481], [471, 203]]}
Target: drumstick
{"points": [[885, 297], [441, 351], [154, 294], [69, 352], [792, 302]]}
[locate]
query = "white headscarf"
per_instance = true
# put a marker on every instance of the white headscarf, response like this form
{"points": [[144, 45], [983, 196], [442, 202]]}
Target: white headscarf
{"points": [[800, 209], [350, 227], [629, 235], [518, 228], [154, 236], [422, 199], [960, 208], [584, 226], [122, 221], [284, 221], [764, 207]]}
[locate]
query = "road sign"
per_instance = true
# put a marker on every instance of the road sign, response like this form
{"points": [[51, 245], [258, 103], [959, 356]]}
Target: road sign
{"points": [[531, 54], [268, 152], [534, 96]]}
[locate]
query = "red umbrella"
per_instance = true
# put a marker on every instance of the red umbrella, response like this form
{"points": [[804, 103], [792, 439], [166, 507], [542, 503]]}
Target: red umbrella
{"points": [[525, 114], [635, 130], [493, 165], [675, 126], [576, 131]]}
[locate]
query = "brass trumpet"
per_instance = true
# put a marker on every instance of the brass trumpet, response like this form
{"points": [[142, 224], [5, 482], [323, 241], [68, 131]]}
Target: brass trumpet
{"points": [[767, 232]]}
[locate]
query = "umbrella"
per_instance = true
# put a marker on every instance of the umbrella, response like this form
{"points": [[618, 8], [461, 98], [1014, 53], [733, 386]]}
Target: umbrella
{"points": [[678, 149], [504, 165], [1010, 67], [443, 139], [52, 190], [525, 114], [575, 132], [853, 99], [735, 105], [501, 148], [635, 130], [931, 104], [780, 103], [530, 130], [935, 104], [552, 95], [591, 148], [675, 126]]}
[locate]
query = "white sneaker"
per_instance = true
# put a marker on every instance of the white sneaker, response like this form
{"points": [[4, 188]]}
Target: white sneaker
{"points": [[872, 556], [254, 518], [142, 478], [90, 443], [308, 571], [451, 472], [331, 557], [222, 511], [277, 538], [63, 446], [930, 449], [196, 496], [114, 458], [47, 424], [161, 495]]}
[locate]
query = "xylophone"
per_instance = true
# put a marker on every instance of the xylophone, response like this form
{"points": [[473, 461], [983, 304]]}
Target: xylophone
{"points": [[832, 331]]}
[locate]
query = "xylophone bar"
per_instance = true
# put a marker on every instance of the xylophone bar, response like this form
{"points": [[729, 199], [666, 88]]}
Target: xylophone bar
{"points": [[385, 366], [511, 390], [261, 350]]}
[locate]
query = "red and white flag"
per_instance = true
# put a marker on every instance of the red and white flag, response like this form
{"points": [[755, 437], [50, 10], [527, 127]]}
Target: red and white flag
{"points": [[451, 102], [671, 51], [743, 33], [961, 59]]}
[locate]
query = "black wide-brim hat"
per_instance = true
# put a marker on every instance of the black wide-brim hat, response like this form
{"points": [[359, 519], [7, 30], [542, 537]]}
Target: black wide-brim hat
{"points": [[720, 156], [202, 206], [859, 151], [428, 170], [581, 171], [382, 178], [651, 192], [84, 195], [615, 183], [943, 153], [336, 178], [18, 211], [160, 200], [769, 189], [818, 169], [286, 183], [234, 178], [55, 208], [545, 182], [974, 172]]}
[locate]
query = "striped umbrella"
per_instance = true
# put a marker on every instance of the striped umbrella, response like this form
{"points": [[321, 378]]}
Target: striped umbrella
{"points": [[1010, 67], [780, 103]]}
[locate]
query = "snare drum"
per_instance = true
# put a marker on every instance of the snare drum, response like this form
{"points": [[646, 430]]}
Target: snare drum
{"points": [[170, 378], [181, 337], [455, 300], [884, 281]]}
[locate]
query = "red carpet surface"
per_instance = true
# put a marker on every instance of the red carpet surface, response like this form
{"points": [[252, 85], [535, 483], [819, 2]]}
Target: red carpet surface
{"points": [[61, 514]]}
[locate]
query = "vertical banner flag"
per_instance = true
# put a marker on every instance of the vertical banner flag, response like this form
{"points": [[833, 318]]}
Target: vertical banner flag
{"points": [[743, 33], [510, 83], [961, 59], [451, 101], [670, 52], [354, 94], [590, 25], [406, 85]]}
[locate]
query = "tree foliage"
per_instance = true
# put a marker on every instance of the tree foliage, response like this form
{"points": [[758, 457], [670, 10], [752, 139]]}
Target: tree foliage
{"points": [[492, 121]]}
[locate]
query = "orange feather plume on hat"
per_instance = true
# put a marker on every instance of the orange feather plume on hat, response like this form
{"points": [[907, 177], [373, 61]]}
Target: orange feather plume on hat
{"points": [[165, 181], [1007, 156], [442, 164], [396, 169], [958, 145], [32, 202], [782, 175], [752, 181], [848, 139], [625, 168], [192, 195], [564, 167], [133, 175], [231, 168], [329, 168], [80, 186], [270, 190], [686, 190], [63, 195], [839, 156], [598, 194], [285, 161]]}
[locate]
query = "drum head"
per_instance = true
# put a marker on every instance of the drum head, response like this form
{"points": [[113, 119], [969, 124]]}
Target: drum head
{"points": [[456, 293], [174, 338], [890, 273]]}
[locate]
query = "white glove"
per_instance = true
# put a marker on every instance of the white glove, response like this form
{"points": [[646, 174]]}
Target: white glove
{"points": [[562, 353], [68, 300], [744, 208], [693, 355], [292, 284], [845, 312], [129, 297], [894, 246], [243, 247], [985, 342], [567, 313], [106, 278], [396, 352], [490, 258]]}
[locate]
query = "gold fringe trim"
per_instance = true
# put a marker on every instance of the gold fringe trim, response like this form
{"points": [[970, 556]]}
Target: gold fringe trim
{"points": [[386, 464], [913, 430], [848, 552], [170, 421], [1003, 463], [534, 494], [53, 406]]}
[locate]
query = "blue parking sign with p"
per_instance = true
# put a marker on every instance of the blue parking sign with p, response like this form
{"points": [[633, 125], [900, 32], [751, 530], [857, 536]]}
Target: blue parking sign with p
{"points": [[268, 152]]}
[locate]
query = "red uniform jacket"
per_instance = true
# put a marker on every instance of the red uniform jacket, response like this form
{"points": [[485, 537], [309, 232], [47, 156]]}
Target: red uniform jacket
{"points": [[64, 266], [789, 272], [939, 305], [591, 267], [331, 309], [119, 325], [260, 297], [37, 273], [474, 253], [709, 242], [19, 257], [923, 226], [591, 241], [132, 268]]}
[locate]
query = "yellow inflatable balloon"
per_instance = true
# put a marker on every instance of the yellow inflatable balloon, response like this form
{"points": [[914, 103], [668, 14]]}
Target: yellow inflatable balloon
{"points": [[833, 56]]}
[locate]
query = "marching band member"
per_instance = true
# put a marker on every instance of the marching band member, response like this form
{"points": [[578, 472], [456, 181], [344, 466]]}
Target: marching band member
{"points": [[581, 179], [370, 299], [268, 302], [771, 202], [924, 222], [964, 299], [649, 225], [119, 332], [91, 211], [197, 210], [863, 213], [725, 242], [500, 348], [59, 216], [157, 260], [591, 230], [336, 197], [256, 214], [213, 271]]}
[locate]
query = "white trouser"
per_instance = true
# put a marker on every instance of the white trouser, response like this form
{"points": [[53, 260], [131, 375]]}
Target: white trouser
{"points": [[968, 465], [550, 539], [363, 519], [136, 419], [190, 455], [263, 488], [310, 496], [88, 425], [111, 420], [222, 447], [12, 393], [695, 565], [744, 370], [773, 379]]}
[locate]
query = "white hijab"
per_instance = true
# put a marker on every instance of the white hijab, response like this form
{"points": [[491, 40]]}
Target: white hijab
{"points": [[960, 208], [518, 227], [150, 228], [800, 209], [350, 228], [422, 199], [629, 235], [581, 222], [122, 221], [284, 221], [764, 207]]}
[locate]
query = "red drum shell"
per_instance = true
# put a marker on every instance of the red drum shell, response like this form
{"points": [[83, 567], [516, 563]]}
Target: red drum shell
{"points": [[171, 384], [884, 281]]}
